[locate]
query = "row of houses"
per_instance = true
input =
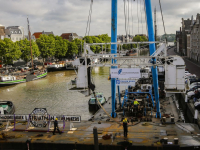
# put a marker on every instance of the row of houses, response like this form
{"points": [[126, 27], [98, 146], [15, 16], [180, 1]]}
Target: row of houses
{"points": [[187, 38], [16, 33]]}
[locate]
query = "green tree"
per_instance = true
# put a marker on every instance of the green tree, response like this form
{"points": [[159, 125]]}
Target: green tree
{"points": [[9, 51], [80, 45], [88, 39], [24, 46], [72, 49], [105, 39], [139, 38], [61, 47], [46, 45]]}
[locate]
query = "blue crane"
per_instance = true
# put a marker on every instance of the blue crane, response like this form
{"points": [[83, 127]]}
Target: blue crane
{"points": [[152, 49]]}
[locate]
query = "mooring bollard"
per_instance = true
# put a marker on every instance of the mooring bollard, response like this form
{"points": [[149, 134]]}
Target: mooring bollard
{"points": [[96, 145], [172, 119], [186, 98], [175, 140], [165, 140], [163, 120], [195, 116]]}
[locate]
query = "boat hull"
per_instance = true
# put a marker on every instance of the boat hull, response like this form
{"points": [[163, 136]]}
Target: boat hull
{"points": [[11, 109], [27, 79], [51, 69]]}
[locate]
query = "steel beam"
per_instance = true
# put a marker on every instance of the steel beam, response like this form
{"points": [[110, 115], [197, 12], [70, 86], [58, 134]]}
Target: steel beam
{"points": [[113, 51], [152, 49]]}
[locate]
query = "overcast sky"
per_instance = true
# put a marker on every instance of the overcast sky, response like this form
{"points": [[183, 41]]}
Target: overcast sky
{"points": [[64, 16]]}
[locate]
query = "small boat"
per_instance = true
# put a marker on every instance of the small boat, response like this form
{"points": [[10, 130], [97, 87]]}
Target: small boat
{"points": [[69, 66], [11, 80], [6, 80], [99, 97], [6, 107], [132, 52], [56, 66]]}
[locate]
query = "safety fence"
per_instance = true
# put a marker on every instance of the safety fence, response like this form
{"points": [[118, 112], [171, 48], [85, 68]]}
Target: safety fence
{"points": [[33, 123]]}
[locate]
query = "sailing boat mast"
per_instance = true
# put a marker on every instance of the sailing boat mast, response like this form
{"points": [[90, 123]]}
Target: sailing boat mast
{"points": [[29, 32]]}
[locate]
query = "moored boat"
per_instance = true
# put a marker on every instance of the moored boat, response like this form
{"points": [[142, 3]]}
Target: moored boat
{"points": [[6, 80], [132, 52], [6, 107], [69, 66], [56, 66], [99, 97]]}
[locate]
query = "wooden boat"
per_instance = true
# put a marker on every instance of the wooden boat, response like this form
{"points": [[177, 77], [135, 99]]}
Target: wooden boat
{"points": [[99, 96], [6, 107]]}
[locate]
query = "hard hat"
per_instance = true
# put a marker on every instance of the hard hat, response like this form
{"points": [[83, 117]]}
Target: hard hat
{"points": [[56, 119]]}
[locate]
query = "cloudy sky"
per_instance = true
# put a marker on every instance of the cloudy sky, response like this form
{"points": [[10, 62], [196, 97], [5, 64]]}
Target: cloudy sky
{"points": [[63, 16]]}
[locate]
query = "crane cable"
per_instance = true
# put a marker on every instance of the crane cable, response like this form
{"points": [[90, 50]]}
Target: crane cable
{"points": [[141, 15], [89, 19], [138, 18], [132, 15], [163, 21], [128, 19], [145, 17], [125, 15]]}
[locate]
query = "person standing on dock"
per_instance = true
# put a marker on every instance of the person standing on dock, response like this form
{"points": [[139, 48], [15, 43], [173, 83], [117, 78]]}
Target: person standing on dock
{"points": [[136, 104], [56, 126], [125, 126]]}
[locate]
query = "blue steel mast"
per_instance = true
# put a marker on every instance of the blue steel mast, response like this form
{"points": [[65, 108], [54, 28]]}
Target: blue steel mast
{"points": [[152, 49], [113, 51]]}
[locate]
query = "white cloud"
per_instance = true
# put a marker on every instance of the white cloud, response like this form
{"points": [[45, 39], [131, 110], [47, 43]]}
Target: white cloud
{"points": [[61, 16]]}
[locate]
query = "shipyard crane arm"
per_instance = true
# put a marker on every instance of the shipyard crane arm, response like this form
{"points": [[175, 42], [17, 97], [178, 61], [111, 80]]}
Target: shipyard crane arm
{"points": [[161, 51]]}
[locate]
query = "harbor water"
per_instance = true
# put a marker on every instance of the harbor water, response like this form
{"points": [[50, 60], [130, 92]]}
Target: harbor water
{"points": [[52, 93]]}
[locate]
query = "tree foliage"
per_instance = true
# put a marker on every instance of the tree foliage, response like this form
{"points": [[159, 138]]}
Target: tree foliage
{"points": [[104, 38], [46, 45], [80, 45], [72, 49], [24, 46], [61, 47], [9, 51]]}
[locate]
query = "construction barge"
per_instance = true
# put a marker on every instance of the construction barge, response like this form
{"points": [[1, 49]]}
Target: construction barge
{"points": [[107, 133]]}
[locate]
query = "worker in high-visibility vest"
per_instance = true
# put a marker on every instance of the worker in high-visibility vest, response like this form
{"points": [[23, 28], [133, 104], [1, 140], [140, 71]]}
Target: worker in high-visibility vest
{"points": [[136, 104], [125, 126]]}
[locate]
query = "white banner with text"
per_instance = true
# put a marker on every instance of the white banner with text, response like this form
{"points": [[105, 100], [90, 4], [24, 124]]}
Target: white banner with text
{"points": [[125, 73], [125, 82]]}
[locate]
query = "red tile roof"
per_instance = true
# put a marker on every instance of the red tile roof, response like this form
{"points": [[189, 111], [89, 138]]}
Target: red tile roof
{"points": [[66, 35], [37, 34]]}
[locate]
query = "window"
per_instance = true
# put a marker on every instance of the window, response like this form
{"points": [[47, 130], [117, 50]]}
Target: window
{"points": [[16, 38]]}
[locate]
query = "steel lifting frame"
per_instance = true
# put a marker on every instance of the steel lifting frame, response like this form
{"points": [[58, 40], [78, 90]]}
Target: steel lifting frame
{"points": [[152, 49], [126, 97]]}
